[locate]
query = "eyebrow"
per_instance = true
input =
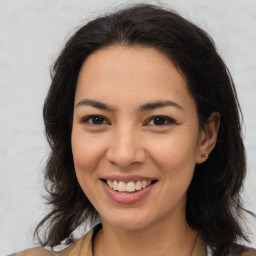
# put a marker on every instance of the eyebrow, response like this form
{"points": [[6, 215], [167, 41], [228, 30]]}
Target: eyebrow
{"points": [[159, 104], [142, 108], [95, 104]]}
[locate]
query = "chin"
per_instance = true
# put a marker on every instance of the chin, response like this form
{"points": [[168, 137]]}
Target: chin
{"points": [[129, 222]]}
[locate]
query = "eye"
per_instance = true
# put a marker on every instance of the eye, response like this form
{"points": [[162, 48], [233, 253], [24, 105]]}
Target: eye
{"points": [[95, 120], [160, 121]]}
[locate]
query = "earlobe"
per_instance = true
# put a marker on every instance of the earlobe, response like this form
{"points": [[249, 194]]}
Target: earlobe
{"points": [[208, 137]]}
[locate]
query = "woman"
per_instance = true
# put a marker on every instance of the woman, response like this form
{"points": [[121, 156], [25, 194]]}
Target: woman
{"points": [[143, 121]]}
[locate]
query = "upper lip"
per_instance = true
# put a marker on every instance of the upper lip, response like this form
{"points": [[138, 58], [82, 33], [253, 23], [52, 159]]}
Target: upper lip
{"points": [[127, 178]]}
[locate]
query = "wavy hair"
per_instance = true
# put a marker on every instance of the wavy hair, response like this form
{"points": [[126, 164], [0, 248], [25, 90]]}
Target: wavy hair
{"points": [[213, 200]]}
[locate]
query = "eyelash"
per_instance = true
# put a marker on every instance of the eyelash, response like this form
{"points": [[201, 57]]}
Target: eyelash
{"points": [[88, 118], [167, 121], [102, 119]]}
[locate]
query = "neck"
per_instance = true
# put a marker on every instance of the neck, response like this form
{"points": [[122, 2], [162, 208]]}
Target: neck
{"points": [[174, 239]]}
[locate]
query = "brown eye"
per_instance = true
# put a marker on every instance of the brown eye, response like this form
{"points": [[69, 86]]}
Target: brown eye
{"points": [[94, 120], [97, 120], [160, 121]]}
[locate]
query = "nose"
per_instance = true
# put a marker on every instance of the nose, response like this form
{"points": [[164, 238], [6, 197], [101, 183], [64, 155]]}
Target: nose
{"points": [[126, 148]]}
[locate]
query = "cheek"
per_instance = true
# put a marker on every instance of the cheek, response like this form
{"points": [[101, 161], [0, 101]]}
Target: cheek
{"points": [[176, 159], [173, 151], [86, 154], [86, 159]]}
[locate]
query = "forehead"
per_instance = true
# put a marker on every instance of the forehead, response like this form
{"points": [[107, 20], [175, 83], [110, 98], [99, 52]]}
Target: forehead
{"points": [[130, 73], [128, 57]]}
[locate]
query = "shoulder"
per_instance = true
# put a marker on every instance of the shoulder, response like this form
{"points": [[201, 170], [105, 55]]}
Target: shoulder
{"points": [[239, 250], [82, 246], [249, 252], [38, 251]]}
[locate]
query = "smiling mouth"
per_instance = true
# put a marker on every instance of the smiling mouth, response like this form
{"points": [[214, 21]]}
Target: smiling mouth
{"points": [[129, 187]]}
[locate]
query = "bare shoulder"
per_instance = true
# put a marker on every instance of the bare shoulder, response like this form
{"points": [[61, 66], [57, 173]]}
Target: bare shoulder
{"points": [[239, 250], [249, 252], [38, 251], [82, 246]]}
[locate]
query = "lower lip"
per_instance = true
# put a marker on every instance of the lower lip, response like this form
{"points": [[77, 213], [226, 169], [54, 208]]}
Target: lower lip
{"points": [[127, 198]]}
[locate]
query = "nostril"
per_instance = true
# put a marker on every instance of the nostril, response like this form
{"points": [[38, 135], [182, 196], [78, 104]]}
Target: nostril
{"points": [[122, 153]]}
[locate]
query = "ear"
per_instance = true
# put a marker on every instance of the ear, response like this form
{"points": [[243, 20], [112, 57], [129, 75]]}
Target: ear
{"points": [[208, 137]]}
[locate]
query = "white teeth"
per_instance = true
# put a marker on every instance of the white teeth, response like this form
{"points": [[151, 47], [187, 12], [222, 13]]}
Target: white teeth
{"points": [[110, 183], [138, 185], [115, 185], [128, 187], [144, 183], [121, 186]]}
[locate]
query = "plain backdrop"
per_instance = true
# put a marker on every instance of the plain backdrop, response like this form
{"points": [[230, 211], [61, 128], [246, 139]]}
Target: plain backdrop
{"points": [[32, 33]]}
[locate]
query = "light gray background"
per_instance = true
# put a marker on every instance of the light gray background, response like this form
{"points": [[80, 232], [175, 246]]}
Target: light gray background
{"points": [[32, 33]]}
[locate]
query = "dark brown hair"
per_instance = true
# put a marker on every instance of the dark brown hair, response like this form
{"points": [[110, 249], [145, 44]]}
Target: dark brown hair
{"points": [[213, 200]]}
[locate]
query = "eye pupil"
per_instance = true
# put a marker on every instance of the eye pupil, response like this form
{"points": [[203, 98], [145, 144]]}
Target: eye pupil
{"points": [[97, 120], [159, 121]]}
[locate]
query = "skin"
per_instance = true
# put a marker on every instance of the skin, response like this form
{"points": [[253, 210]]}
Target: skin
{"points": [[127, 139]]}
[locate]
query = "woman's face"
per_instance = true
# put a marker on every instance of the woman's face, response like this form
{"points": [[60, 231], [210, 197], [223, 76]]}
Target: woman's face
{"points": [[135, 136]]}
